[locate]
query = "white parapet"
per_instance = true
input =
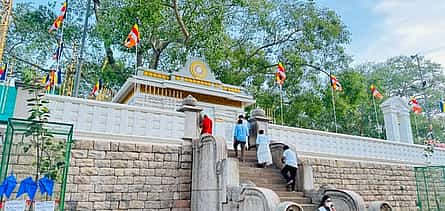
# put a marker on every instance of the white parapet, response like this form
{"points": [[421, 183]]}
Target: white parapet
{"points": [[321, 144], [110, 119]]}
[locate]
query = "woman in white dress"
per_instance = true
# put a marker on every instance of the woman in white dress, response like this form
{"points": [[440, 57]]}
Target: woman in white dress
{"points": [[263, 151]]}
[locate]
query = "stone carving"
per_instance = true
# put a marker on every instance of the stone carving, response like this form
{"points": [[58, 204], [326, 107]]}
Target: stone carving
{"points": [[258, 121], [189, 101], [289, 206]]}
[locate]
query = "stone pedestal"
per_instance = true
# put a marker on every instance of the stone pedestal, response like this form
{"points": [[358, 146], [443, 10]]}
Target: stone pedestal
{"points": [[192, 113], [397, 121], [258, 121]]}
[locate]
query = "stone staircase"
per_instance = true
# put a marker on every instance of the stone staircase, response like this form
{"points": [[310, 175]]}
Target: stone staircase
{"points": [[271, 178]]}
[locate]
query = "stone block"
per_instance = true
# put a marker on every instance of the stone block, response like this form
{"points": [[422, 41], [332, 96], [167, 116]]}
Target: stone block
{"points": [[124, 180], [130, 155], [170, 165], [182, 204], [144, 148], [159, 157], [114, 146], [96, 154], [129, 196], [84, 162], [168, 180], [152, 196], [113, 196], [114, 205], [76, 153], [135, 188], [155, 165], [105, 171], [79, 197], [142, 196], [136, 204], [166, 196], [102, 146], [84, 205], [185, 187], [102, 163], [106, 180], [172, 149], [125, 147], [139, 180], [185, 195], [120, 188], [131, 172], [121, 164], [115, 155], [141, 164], [167, 203], [146, 156], [147, 172], [96, 197], [186, 165], [83, 144], [82, 180], [161, 172], [73, 170], [186, 158], [103, 188], [102, 205], [119, 172], [85, 188], [124, 205], [152, 205], [88, 171], [153, 180], [160, 148]]}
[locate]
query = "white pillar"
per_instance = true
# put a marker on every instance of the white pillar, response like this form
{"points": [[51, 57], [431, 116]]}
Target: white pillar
{"points": [[397, 121], [192, 112]]}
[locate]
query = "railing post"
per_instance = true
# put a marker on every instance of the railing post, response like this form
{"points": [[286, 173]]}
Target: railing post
{"points": [[258, 121], [192, 114]]}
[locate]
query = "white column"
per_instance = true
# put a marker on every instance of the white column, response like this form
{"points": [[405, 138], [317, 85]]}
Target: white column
{"points": [[406, 134]]}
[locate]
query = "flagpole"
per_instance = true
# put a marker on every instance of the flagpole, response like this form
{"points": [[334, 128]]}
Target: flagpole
{"points": [[333, 106], [60, 46], [5, 93], [281, 103], [82, 47], [376, 117]]}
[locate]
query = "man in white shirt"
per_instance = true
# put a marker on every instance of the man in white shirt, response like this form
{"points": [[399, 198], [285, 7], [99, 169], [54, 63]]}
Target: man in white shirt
{"points": [[291, 165]]}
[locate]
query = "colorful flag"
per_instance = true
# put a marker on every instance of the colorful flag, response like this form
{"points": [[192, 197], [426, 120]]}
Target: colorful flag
{"points": [[46, 82], [96, 88], [415, 105], [58, 77], [335, 84], [58, 53], [441, 106], [280, 74], [133, 37], [376, 93], [3, 72], [59, 20]]}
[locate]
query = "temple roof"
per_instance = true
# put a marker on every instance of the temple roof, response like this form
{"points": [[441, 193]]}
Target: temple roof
{"points": [[195, 77]]}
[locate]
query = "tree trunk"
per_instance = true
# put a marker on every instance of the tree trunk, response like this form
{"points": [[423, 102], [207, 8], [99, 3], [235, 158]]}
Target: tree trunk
{"points": [[155, 59], [139, 59], [158, 46]]}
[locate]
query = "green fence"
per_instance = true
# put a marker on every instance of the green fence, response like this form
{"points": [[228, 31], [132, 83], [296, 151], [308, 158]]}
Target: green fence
{"points": [[7, 102], [44, 160], [430, 182]]}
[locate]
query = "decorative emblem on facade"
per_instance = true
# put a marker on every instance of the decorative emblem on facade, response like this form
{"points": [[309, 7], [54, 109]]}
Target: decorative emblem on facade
{"points": [[198, 69]]}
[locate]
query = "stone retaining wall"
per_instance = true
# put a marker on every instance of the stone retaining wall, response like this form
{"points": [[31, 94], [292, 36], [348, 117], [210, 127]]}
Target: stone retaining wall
{"points": [[374, 182], [106, 175]]}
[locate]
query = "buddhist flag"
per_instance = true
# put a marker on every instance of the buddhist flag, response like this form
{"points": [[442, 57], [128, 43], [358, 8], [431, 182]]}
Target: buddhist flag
{"points": [[335, 84], [376, 93], [58, 53], [280, 74], [96, 88], [59, 20], [415, 105], [441, 106], [58, 77], [47, 82], [133, 37], [3, 72]]}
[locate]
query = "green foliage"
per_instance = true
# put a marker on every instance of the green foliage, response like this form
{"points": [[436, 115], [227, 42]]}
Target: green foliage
{"points": [[50, 153]]}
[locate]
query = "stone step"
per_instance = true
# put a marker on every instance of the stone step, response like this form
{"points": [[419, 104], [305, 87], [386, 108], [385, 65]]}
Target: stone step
{"points": [[289, 194], [264, 180], [309, 207], [298, 200]]}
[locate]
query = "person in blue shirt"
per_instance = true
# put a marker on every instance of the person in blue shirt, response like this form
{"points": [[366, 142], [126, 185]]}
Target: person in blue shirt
{"points": [[290, 161], [240, 138]]}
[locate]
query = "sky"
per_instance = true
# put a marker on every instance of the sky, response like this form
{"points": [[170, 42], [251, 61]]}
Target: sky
{"points": [[381, 29]]}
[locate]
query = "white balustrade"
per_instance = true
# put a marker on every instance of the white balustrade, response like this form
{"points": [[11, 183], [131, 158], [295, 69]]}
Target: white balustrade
{"points": [[333, 145], [116, 119]]}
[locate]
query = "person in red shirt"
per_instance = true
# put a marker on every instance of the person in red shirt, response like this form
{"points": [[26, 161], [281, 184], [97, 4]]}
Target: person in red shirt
{"points": [[206, 125]]}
